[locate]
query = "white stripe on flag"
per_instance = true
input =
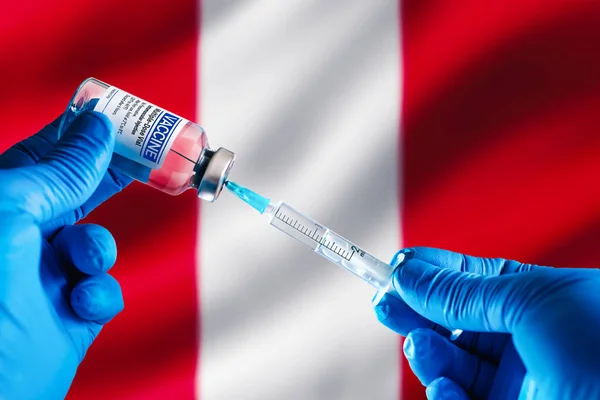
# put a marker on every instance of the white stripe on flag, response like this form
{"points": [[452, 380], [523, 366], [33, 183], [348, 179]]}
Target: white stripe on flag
{"points": [[307, 95]]}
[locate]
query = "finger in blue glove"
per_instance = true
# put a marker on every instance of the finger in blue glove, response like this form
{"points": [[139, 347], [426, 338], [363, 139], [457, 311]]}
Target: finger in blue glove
{"points": [[97, 298], [91, 249], [67, 175], [394, 313], [432, 356], [445, 389]]}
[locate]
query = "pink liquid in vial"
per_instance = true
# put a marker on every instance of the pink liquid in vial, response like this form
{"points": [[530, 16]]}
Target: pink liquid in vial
{"points": [[177, 169]]}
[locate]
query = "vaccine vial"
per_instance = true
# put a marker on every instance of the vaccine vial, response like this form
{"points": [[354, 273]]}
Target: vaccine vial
{"points": [[153, 145]]}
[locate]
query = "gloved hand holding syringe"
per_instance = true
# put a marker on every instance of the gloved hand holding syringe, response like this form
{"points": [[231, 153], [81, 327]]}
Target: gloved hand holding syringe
{"points": [[323, 241]]}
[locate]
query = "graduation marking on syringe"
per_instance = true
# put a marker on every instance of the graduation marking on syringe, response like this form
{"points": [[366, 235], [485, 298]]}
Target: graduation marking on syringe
{"points": [[296, 225]]}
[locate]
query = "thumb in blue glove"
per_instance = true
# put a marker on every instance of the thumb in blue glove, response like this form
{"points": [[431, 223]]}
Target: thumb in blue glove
{"points": [[530, 331], [54, 291]]}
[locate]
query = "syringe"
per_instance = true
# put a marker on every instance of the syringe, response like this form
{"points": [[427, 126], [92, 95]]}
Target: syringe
{"points": [[320, 239], [324, 242]]}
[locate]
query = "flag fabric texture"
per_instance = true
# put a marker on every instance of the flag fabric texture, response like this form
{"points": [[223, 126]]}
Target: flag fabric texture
{"points": [[470, 126]]}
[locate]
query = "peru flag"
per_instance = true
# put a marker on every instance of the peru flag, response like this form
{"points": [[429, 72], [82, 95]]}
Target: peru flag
{"points": [[468, 126]]}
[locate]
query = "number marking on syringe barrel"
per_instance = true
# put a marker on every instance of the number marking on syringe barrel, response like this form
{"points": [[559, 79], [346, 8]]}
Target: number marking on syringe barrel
{"points": [[312, 234]]}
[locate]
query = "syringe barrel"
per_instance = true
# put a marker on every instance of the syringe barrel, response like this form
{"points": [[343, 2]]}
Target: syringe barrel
{"points": [[332, 246], [338, 250]]}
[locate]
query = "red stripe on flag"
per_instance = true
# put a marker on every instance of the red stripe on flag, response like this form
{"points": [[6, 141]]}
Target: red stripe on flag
{"points": [[150, 350], [500, 143]]}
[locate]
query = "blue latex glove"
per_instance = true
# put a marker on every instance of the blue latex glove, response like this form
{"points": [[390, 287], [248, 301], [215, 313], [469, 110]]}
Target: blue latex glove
{"points": [[55, 293], [530, 331]]}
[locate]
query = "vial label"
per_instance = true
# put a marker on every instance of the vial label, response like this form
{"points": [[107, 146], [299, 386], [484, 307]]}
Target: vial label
{"points": [[145, 132]]}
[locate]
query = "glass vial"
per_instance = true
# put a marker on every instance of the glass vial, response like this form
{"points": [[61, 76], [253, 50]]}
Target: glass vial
{"points": [[152, 145]]}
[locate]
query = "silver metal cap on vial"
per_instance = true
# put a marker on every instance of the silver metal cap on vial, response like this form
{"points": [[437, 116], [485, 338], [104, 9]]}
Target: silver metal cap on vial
{"points": [[218, 164]]}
